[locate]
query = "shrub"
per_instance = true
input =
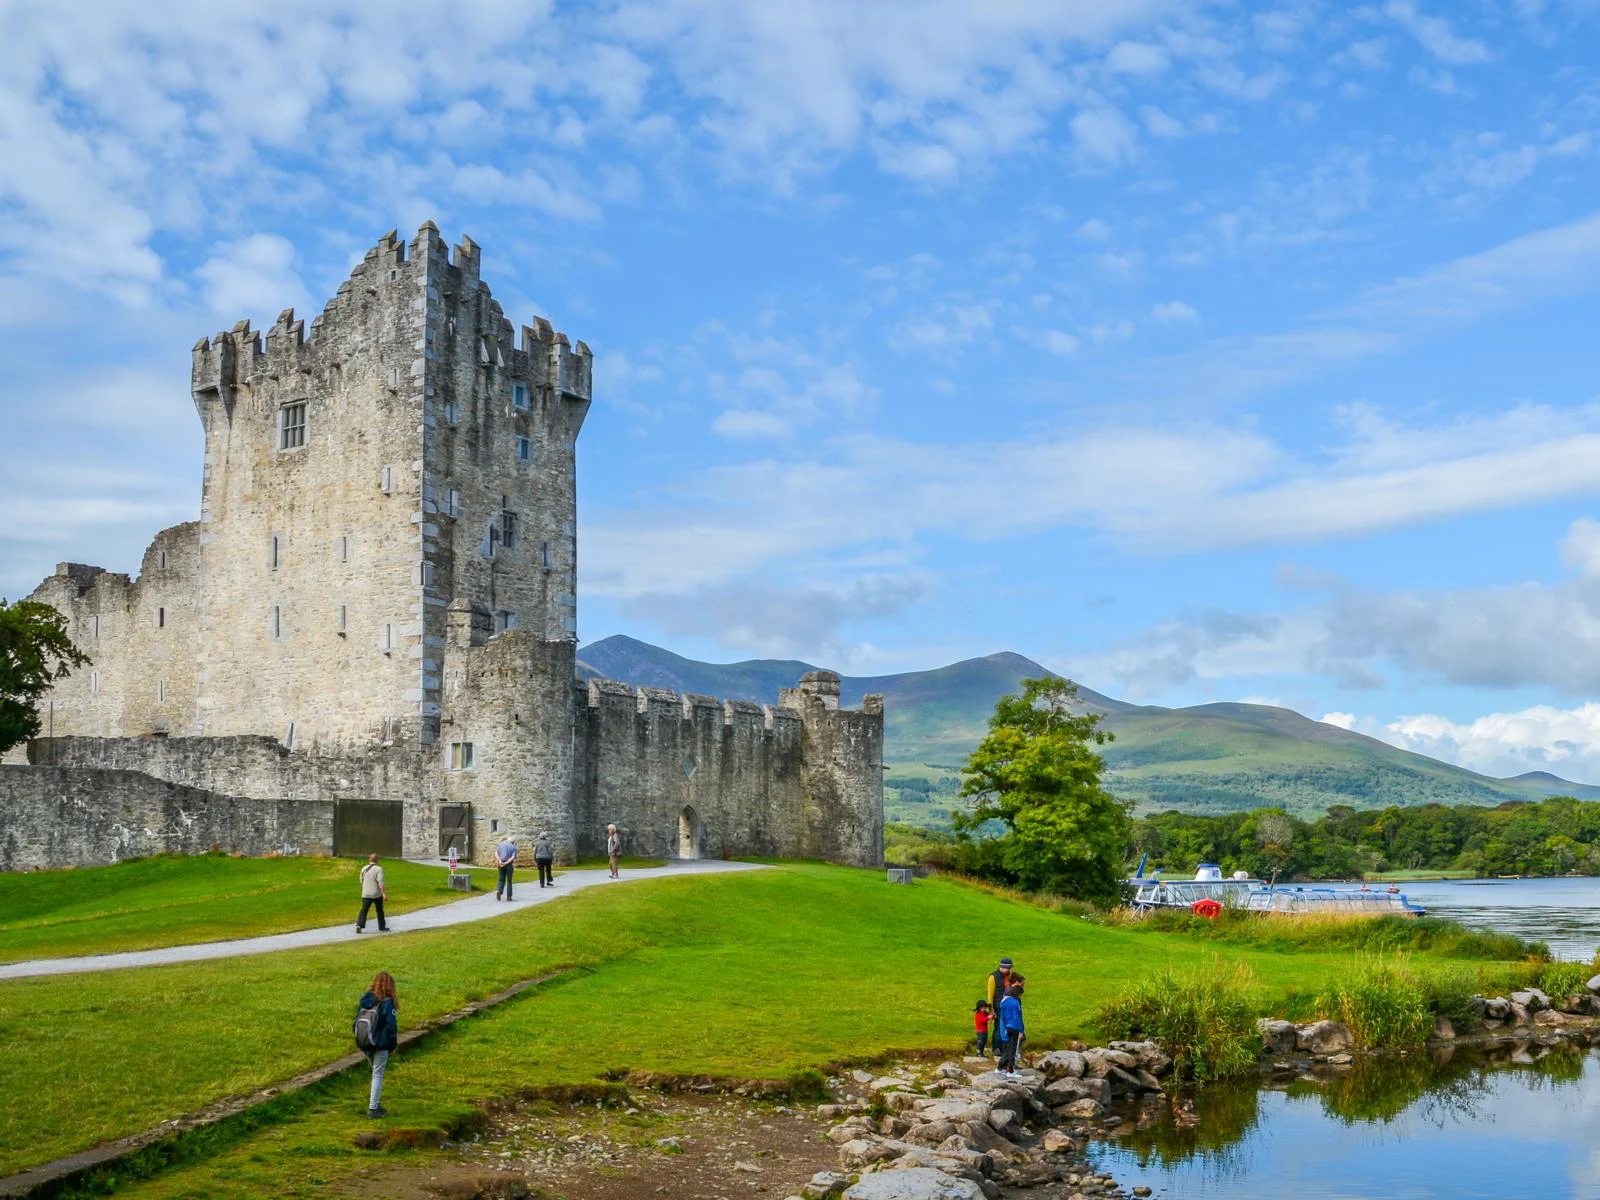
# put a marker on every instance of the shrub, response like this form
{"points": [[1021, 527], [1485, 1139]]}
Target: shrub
{"points": [[1450, 993], [1562, 979], [1206, 1019], [1388, 934], [1382, 1002]]}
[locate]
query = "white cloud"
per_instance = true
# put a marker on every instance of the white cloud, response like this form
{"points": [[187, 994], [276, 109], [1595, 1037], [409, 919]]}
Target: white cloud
{"points": [[1136, 58], [745, 423], [1158, 123], [255, 274], [1580, 549], [1561, 741], [1104, 137], [1436, 35], [1174, 312], [1094, 230]]}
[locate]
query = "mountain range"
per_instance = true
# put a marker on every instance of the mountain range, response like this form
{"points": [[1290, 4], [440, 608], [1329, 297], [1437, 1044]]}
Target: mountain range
{"points": [[1207, 758]]}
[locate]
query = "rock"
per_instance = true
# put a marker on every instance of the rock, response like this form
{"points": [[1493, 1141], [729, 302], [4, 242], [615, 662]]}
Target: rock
{"points": [[1531, 999], [1577, 1004], [1323, 1037], [1341, 1060], [893, 1126], [1060, 1064], [824, 1185], [951, 1070], [901, 1101], [1002, 1119], [890, 1083], [832, 1112], [1548, 1016], [1157, 1061], [931, 1133], [1120, 1058], [1442, 1028], [916, 1183], [861, 1076], [1064, 1091], [1280, 1037], [858, 1153], [1498, 1008], [1141, 1190], [1124, 1083], [1056, 1142], [748, 1168], [985, 1140], [1594, 984], [1081, 1110], [1520, 1014]]}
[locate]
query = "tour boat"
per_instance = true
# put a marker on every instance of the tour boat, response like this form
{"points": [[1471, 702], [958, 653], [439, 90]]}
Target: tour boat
{"points": [[1209, 892]]}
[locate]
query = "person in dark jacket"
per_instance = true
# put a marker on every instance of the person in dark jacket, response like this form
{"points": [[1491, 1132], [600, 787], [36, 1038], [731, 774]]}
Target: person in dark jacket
{"points": [[381, 995], [544, 857], [999, 980]]}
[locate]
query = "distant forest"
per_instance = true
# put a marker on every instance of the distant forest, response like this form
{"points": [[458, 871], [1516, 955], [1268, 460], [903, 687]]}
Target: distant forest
{"points": [[1546, 837]]}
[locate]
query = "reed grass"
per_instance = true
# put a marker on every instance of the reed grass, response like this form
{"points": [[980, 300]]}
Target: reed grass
{"points": [[1205, 1017], [1382, 1002]]}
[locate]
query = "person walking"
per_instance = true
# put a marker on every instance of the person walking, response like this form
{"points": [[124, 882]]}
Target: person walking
{"points": [[999, 980], [381, 1033], [544, 856], [981, 1019], [613, 849], [505, 857], [372, 895], [1011, 1028]]}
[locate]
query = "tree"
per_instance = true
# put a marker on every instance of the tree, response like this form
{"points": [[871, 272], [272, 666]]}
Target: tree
{"points": [[35, 651], [1037, 772]]}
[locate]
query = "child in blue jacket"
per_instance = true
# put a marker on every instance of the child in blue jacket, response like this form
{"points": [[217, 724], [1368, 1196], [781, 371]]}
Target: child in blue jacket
{"points": [[1011, 1028]]}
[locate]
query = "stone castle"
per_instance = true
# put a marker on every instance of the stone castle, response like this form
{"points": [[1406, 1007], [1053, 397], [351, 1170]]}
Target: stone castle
{"points": [[376, 613]]}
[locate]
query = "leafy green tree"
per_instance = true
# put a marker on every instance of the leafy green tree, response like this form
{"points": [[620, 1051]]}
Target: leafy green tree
{"points": [[35, 651], [1037, 772]]}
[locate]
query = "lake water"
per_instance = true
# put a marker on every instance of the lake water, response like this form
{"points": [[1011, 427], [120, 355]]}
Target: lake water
{"points": [[1501, 1125], [1562, 912]]}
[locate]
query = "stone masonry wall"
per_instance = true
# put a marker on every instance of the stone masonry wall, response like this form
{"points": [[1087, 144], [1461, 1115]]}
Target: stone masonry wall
{"points": [[83, 817]]}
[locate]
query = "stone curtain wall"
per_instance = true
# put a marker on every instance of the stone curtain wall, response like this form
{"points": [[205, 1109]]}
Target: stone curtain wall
{"points": [[86, 817]]}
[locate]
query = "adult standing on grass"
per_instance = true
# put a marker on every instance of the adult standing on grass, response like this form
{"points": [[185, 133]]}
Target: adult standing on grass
{"points": [[505, 857], [372, 894], [378, 1034], [544, 856], [999, 980], [613, 849]]}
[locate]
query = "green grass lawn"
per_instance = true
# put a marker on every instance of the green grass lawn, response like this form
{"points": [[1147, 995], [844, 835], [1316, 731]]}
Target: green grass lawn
{"points": [[1415, 876], [758, 974], [173, 900]]}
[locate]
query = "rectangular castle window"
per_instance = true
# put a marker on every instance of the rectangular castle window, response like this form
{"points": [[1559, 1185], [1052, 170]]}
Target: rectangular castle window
{"points": [[425, 574], [289, 735], [161, 560], [277, 622], [94, 625], [386, 639], [344, 620], [452, 503], [386, 481], [508, 524], [161, 618], [292, 426], [504, 619], [459, 756], [452, 412], [161, 691], [524, 449], [341, 548], [520, 395], [275, 553], [94, 683], [490, 546], [545, 559]]}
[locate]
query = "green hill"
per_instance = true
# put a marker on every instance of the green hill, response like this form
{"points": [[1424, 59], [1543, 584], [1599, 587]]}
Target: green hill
{"points": [[1208, 758]]}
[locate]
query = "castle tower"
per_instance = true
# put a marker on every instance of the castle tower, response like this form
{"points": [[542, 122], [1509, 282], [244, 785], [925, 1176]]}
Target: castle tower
{"points": [[403, 453]]}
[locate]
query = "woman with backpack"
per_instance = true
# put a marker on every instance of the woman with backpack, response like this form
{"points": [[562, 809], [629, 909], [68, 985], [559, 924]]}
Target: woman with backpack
{"points": [[378, 1033]]}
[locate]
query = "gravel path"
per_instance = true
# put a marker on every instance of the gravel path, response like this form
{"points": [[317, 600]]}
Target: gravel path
{"points": [[478, 908]]}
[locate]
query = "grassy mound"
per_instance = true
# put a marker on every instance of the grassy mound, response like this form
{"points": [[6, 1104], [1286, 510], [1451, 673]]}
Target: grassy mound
{"points": [[177, 900]]}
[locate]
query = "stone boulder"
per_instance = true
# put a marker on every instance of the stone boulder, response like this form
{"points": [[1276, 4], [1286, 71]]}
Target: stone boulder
{"points": [[1280, 1037], [914, 1183], [1061, 1064], [1324, 1037], [825, 1185], [1064, 1091], [1081, 1110], [854, 1155], [1498, 1008], [1443, 1030], [1056, 1142], [1520, 1014], [1531, 999], [1594, 984]]}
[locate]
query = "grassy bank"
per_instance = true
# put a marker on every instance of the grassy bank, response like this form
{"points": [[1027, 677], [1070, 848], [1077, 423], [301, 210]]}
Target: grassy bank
{"points": [[757, 974], [175, 900]]}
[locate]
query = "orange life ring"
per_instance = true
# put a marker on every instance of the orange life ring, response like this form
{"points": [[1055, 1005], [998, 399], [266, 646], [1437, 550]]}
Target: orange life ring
{"points": [[1207, 908]]}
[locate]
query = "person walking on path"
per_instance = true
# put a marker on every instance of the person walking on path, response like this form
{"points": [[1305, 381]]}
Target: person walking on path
{"points": [[372, 895], [385, 1035], [613, 849], [1011, 1028], [505, 857], [999, 980], [544, 856]]}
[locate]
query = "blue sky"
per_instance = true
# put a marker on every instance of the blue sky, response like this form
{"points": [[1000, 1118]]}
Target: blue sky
{"points": [[1198, 351]]}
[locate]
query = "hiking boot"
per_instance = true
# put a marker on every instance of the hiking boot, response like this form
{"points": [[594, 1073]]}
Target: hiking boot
{"points": [[374, 1113]]}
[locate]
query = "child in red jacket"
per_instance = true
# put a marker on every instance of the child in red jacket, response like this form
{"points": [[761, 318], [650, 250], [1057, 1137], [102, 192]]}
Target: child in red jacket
{"points": [[981, 1016]]}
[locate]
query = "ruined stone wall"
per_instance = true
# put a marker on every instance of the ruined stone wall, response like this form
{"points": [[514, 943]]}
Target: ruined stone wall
{"points": [[844, 771], [84, 817], [142, 636], [262, 768], [645, 755]]}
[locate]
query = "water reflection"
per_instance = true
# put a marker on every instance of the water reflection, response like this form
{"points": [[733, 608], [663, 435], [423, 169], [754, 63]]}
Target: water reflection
{"points": [[1518, 1120]]}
